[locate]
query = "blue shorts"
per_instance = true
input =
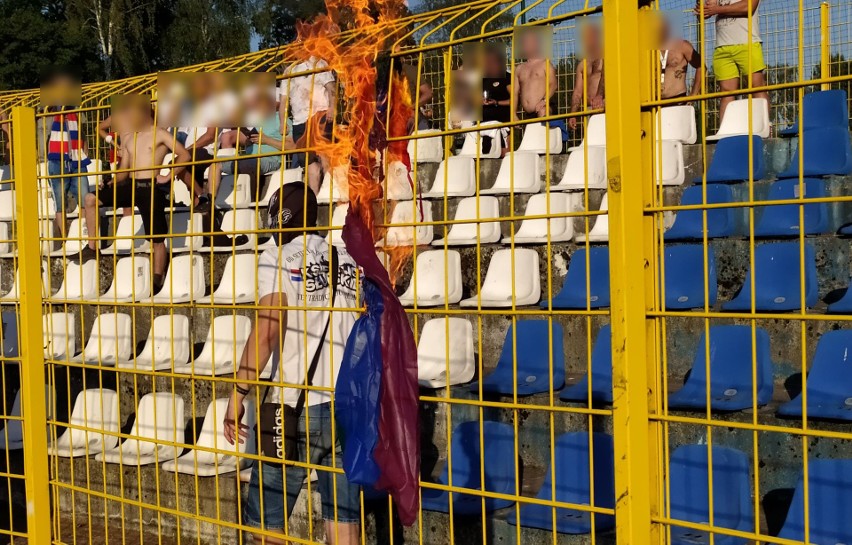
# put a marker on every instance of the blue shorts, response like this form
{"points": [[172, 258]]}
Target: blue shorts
{"points": [[281, 489], [62, 188]]}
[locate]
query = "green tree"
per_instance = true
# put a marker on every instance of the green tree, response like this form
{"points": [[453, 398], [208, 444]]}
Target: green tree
{"points": [[204, 30], [274, 21]]}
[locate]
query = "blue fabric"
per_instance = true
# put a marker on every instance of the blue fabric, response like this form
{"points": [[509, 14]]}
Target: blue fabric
{"points": [[601, 373], [10, 334], [466, 452], [572, 484], [821, 109], [268, 128], [64, 187], [827, 152], [358, 390], [830, 502], [783, 219], [777, 285], [689, 224], [689, 470], [730, 371], [730, 161], [844, 304], [573, 293], [829, 380], [685, 276], [534, 357]]}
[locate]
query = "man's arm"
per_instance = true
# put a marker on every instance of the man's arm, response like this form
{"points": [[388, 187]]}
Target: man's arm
{"points": [[165, 138], [425, 94], [205, 139], [331, 94], [693, 57], [579, 87], [124, 161], [516, 93]]}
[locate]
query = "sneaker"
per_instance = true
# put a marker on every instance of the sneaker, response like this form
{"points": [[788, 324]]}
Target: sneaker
{"points": [[204, 205], [86, 255]]}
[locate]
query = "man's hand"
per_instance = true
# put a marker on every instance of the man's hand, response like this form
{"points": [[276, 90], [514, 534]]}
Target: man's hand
{"points": [[163, 178], [597, 102], [235, 430], [711, 8], [572, 123], [255, 138]]}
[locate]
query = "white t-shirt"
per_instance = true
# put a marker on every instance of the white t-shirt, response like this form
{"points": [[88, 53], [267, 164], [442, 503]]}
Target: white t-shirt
{"points": [[193, 134], [299, 270], [734, 30], [306, 93]]}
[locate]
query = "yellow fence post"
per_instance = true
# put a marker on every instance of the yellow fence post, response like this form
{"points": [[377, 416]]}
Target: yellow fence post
{"points": [[628, 151], [33, 402], [825, 42]]}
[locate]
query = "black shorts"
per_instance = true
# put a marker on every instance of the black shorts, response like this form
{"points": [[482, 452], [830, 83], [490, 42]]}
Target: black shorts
{"points": [[203, 159], [151, 199], [299, 131]]}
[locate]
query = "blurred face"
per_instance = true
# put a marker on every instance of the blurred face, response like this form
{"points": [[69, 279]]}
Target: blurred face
{"points": [[591, 40], [530, 46], [494, 64]]}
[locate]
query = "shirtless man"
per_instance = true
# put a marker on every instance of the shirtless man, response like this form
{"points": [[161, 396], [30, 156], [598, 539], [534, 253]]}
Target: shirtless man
{"points": [[675, 59], [138, 182], [589, 78], [535, 79]]}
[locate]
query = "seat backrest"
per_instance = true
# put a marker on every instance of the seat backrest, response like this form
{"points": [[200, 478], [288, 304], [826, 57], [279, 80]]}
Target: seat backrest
{"points": [[409, 212], [132, 276], [596, 131], [212, 435], [538, 206], [678, 123], [829, 500], [183, 226], [535, 350], [168, 339], [159, 416], [489, 207], [498, 279], [455, 175], [338, 219], [239, 273], [239, 221], [59, 335], [129, 226], [572, 470], [185, 275], [731, 359], [225, 340], [442, 340], [735, 120], [575, 280], [823, 108], [684, 270], [602, 361], [96, 409], [778, 269], [831, 372], [10, 334], [519, 171], [730, 162], [498, 442], [81, 280], [111, 338]]}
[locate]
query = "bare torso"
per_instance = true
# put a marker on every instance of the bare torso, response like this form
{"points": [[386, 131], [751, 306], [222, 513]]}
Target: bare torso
{"points": [[533, 84], [594, 69], [673, 66], [145, 151]]}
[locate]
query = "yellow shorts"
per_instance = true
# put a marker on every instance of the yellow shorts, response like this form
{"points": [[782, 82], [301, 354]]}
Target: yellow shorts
{"points": [[732, 61]]}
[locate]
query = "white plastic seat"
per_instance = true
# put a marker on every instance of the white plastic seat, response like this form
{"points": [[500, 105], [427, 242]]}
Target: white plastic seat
{"points": [[159, 417], [76, 238], [465, 234], [110, 341], [278, 179], [59, 336], [234, 191], [338, 218], [131, 280], [429, 149], [409, 212], [398, 183], [735, 121], [537, 140], [6, 242], [575, 176], [335, 185], [677, 123], [535, 231], [13, 293], [442, 337], [181, 198], [80, 282], [167, 344], [222, 349], [46, 201], [672, 171], [183, 228], [438, 277], [239, 222], [239, 281], [184, 281], [600, 231], [519, 173], [97, 410], [129, 226], [12, 436], [595, 133], [456, 177], [497, 287], [7, 205], [207, 463], [474, 142]]}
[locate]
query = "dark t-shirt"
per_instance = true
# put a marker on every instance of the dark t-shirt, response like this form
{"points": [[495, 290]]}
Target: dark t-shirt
{"points": [[498, 89]]}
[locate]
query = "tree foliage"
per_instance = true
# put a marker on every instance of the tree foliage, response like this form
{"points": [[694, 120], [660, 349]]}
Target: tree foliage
{"points": [[275, 20]]}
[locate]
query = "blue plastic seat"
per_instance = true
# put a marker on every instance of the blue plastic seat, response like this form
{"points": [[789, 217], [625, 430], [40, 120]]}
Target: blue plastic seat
{"points": [[466, 451], [830, 502], [689, 489], [10, 334], [533, 360], [845, 231], [782, 220], [573, 294], [572, 485], [828, 152], [730, 371], [777, 280], [829, 380], [844, 304], [730, 161], [689, 224], [821, 109], [601, 373], [685, 276]]}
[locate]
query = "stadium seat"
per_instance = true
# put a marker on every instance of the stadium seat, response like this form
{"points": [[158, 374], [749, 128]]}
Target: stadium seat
{"points": [[689, 494], [12, 435], [536, 231], [438, 277], [455, 177], [513, 279], [46, 202], [600, 225], [338, 218], [7, 205], [239, 281], [829, 381], [573, 294], [782, 220], [777, 283], [97, 410], [601, 373], [222, 349], [730, 371], [529, 355], [677, 123], [13, 295], [59, 336], [845, 230], [829, 502], [234, 191], [730, 161], [76, 238], [474, 142], [239, 224], [184, 281], [576, 177], [427, 149], [6, 241], [110, 340], [159, 417], [276, 180], [568, 475], [181, 198], [519, 173], [684, 270], [398, 184], [538, 139], [595, 133], [183, 229], [466, 234], [218, 457], [689, 224], [844, 304], [129, 236], [80, 283], [442, 340], [735, 121], [131, 280], [827, 152], [669, 163], [167, 344], [498, 440], [821, 109], [9, 338], [335, 186], [407, 213]]}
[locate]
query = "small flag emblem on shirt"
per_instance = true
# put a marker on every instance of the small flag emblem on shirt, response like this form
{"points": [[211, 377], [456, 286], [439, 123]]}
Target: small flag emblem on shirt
{"points": [[296, 275]]}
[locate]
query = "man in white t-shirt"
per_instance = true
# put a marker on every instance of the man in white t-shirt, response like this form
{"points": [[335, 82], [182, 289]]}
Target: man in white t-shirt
{"points": [[296, 276], [738, 53]]}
